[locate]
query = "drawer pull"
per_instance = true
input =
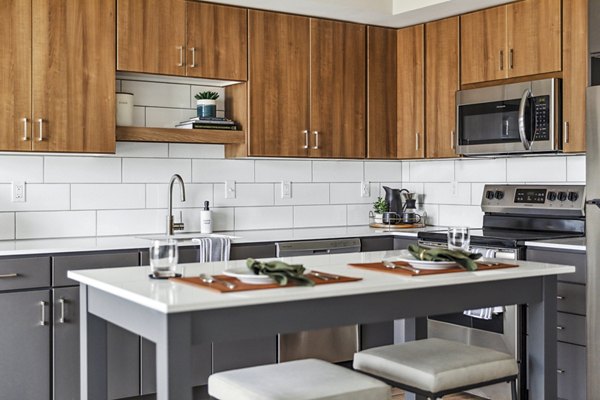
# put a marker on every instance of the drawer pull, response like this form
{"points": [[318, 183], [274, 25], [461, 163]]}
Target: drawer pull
{"points": [[560, 328], [43, 321], [560, 371], [13, 275], [61, 318], [560, 297]]}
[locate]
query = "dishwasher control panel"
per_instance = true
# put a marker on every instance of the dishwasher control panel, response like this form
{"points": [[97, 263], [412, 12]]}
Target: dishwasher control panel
{"points": [[314, 247]]}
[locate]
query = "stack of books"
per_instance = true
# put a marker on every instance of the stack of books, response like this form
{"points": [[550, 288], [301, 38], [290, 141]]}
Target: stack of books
{"points": [[208, 123]]}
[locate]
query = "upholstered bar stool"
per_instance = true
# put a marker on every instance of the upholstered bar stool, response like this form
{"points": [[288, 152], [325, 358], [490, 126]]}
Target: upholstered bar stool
{"points": [[296, 380], [437, 367]]}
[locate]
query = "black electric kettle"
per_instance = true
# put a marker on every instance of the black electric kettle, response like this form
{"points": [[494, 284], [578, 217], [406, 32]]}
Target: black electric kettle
{"points": [[393, 197]]}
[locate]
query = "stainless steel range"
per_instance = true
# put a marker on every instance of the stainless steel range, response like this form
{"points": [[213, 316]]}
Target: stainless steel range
{"points": [[513, 214]]}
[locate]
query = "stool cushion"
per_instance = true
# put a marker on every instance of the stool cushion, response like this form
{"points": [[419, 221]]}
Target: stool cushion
{"points": [[435, 365], [296, 380]]}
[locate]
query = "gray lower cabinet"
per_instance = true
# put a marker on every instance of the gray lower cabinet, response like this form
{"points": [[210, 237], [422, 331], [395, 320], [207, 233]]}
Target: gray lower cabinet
{"points": [[65, 343], [571, 363], [25, 345]]}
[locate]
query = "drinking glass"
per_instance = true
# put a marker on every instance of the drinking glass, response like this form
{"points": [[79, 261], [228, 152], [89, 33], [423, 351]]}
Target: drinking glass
{"points": [[458, 238], [163, 258]]}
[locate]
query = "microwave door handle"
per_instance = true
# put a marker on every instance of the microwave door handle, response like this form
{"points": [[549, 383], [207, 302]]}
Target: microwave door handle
{"points": [[522, 127]]}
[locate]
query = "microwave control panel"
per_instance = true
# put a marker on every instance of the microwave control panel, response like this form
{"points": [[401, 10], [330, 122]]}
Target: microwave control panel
{"points": [[541, 117]]}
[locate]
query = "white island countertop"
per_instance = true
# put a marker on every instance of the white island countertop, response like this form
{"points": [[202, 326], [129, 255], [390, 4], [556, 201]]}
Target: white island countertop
{"points": [[165, 296]]}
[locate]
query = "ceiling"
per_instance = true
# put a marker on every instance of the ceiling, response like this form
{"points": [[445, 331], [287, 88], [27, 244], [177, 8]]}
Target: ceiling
{"points": [[392, 13]]}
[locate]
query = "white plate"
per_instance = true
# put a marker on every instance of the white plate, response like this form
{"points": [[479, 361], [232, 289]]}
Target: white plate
{"points": [[420, 264], [247, 276]]}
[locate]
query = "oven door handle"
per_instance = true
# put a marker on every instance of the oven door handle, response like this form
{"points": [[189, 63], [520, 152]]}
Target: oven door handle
{"points": [[522, 133]]}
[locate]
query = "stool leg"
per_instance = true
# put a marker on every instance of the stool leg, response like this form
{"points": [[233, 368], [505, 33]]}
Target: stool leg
{"points": [[513, 389]]}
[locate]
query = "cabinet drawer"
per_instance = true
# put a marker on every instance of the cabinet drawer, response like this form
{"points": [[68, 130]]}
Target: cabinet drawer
{"points": [[576, 258], [62, 264], [571, 328], [571, 298], [571, 370], [24, 273]]}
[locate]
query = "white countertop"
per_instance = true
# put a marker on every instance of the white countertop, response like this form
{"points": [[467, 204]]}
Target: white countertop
{"points": [[576, 244], [165, 296], [69, 245]]}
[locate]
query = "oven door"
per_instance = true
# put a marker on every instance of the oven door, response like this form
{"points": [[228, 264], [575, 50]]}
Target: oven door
{"points": [[515, 118]]}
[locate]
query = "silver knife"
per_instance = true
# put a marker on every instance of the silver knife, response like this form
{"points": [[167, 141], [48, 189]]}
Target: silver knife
{"points": [[391, 265]]}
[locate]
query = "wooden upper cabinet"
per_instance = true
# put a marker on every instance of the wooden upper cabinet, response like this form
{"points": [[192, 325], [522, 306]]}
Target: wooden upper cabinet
{"points": [[15, 70], [382, 96], [151, 36], [483, 45], [217, 41], [279, 75], [410, 140], [534, 37], [442, 77], [338, 89], [575, 74]]}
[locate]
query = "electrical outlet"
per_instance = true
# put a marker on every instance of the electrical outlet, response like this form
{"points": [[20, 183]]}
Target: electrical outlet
{"points": [[286, 190], [365, 189], [18, 192], [230, 189]]}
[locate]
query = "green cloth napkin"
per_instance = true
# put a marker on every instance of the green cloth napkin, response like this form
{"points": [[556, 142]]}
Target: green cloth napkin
{"points": [[280, 271], [465, 260]]}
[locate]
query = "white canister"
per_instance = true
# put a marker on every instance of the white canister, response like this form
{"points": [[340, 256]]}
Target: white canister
{"points": [[124, 109]]}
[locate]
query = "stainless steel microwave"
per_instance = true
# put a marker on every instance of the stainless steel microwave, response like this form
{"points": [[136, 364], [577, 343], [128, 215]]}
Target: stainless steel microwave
{"points": [[520, 117]]}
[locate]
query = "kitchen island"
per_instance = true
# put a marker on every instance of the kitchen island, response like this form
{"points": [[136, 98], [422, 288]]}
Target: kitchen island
{"points": [[177, 316]]}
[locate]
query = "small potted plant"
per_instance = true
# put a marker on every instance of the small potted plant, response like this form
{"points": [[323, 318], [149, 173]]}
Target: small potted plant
{"points": [[380, 206], [206, 104]]}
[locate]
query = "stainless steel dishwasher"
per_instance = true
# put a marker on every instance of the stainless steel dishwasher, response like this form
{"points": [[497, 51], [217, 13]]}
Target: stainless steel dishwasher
{"points": [[331, 344]]}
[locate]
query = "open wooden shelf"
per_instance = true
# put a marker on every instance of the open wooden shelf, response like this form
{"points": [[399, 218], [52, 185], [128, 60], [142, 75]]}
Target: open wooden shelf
{"points": [[176, 135]]}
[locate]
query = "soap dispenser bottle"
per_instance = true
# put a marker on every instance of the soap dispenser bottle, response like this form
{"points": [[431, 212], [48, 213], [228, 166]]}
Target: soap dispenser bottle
{"points": [[206, 219]]}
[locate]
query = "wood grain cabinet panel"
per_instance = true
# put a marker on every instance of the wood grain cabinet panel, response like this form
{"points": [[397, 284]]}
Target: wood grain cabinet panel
{"points": [[442, 77], [217, 41], [151, 36]]}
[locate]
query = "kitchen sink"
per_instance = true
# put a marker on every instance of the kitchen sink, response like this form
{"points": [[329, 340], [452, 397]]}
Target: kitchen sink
{"points": [[186, 237]]}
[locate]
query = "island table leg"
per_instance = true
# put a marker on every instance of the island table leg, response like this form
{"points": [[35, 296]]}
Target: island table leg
{"points": [[173, 358]]}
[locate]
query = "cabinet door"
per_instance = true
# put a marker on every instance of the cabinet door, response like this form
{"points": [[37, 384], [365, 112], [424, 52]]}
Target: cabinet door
{"points": [[151, 36], [217, 41], [575, 73], [15, 70], [411, 87], [25, 345], [338, 89], [441, 75], [279, 55], [382, 93], [534, 37], [483, 45], [65, 343], [73, 76]]}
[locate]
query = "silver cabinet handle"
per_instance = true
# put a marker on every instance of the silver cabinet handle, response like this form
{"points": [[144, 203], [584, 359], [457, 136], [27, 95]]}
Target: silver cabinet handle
{"points": [[560, 328], [501, 60], [12, 275], [180, 48], [305, 132], [61, 318], [25, 133], [566, 132], [41, 129], [452, 145], [560, 297], [43, 305], [417, 141], [193, 64], [510, 59], [316, 146], [560, 371]]}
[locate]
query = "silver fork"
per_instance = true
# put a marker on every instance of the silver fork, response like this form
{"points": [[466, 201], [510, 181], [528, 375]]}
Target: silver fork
{"points": [[324, 276], [209, 279], [391, 265]]}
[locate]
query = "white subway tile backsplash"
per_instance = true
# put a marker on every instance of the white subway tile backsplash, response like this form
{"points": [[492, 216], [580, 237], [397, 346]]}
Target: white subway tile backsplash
{"points": [[431, 171], [147, 150], [432, 216], [536, 169], [263, 218], [278, 170], [257, 194], [128, 222], [7, 226], [337, 171], [38, 197], [21, 168], [304, 194], [576, 169], [167, 117], [157, 196], [223, 219], [447, 193], [189, 150], [155, 94], [358, 214], [223, 170], [349, 193], [470, 216], [476, 193], [147, 170], [55, 224], [139, 116], [107, 196], [82, 170], [315, 216], [492, 170], [389, 171]]}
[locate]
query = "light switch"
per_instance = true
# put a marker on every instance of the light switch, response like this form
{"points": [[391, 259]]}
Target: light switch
{"points": [[286, 190], [365, 189], [230, 189]]}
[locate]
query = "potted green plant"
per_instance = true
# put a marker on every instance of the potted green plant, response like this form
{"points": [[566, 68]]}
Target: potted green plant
{"points": [[380, 206], [206, 104]]}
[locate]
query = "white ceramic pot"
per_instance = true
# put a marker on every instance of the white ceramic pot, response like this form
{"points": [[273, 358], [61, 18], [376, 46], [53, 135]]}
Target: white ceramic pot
{"points": [[124, 109], [378, 218], [206, 108]]}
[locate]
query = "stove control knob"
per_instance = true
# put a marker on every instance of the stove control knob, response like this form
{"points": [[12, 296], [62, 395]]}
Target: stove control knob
{"points": [[499, 194], [551, 196], [573, 196], [562, 196], [489, 195]]}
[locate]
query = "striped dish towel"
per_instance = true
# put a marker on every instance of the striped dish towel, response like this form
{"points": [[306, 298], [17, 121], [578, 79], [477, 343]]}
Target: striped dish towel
{"points": [[214, 248]]}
